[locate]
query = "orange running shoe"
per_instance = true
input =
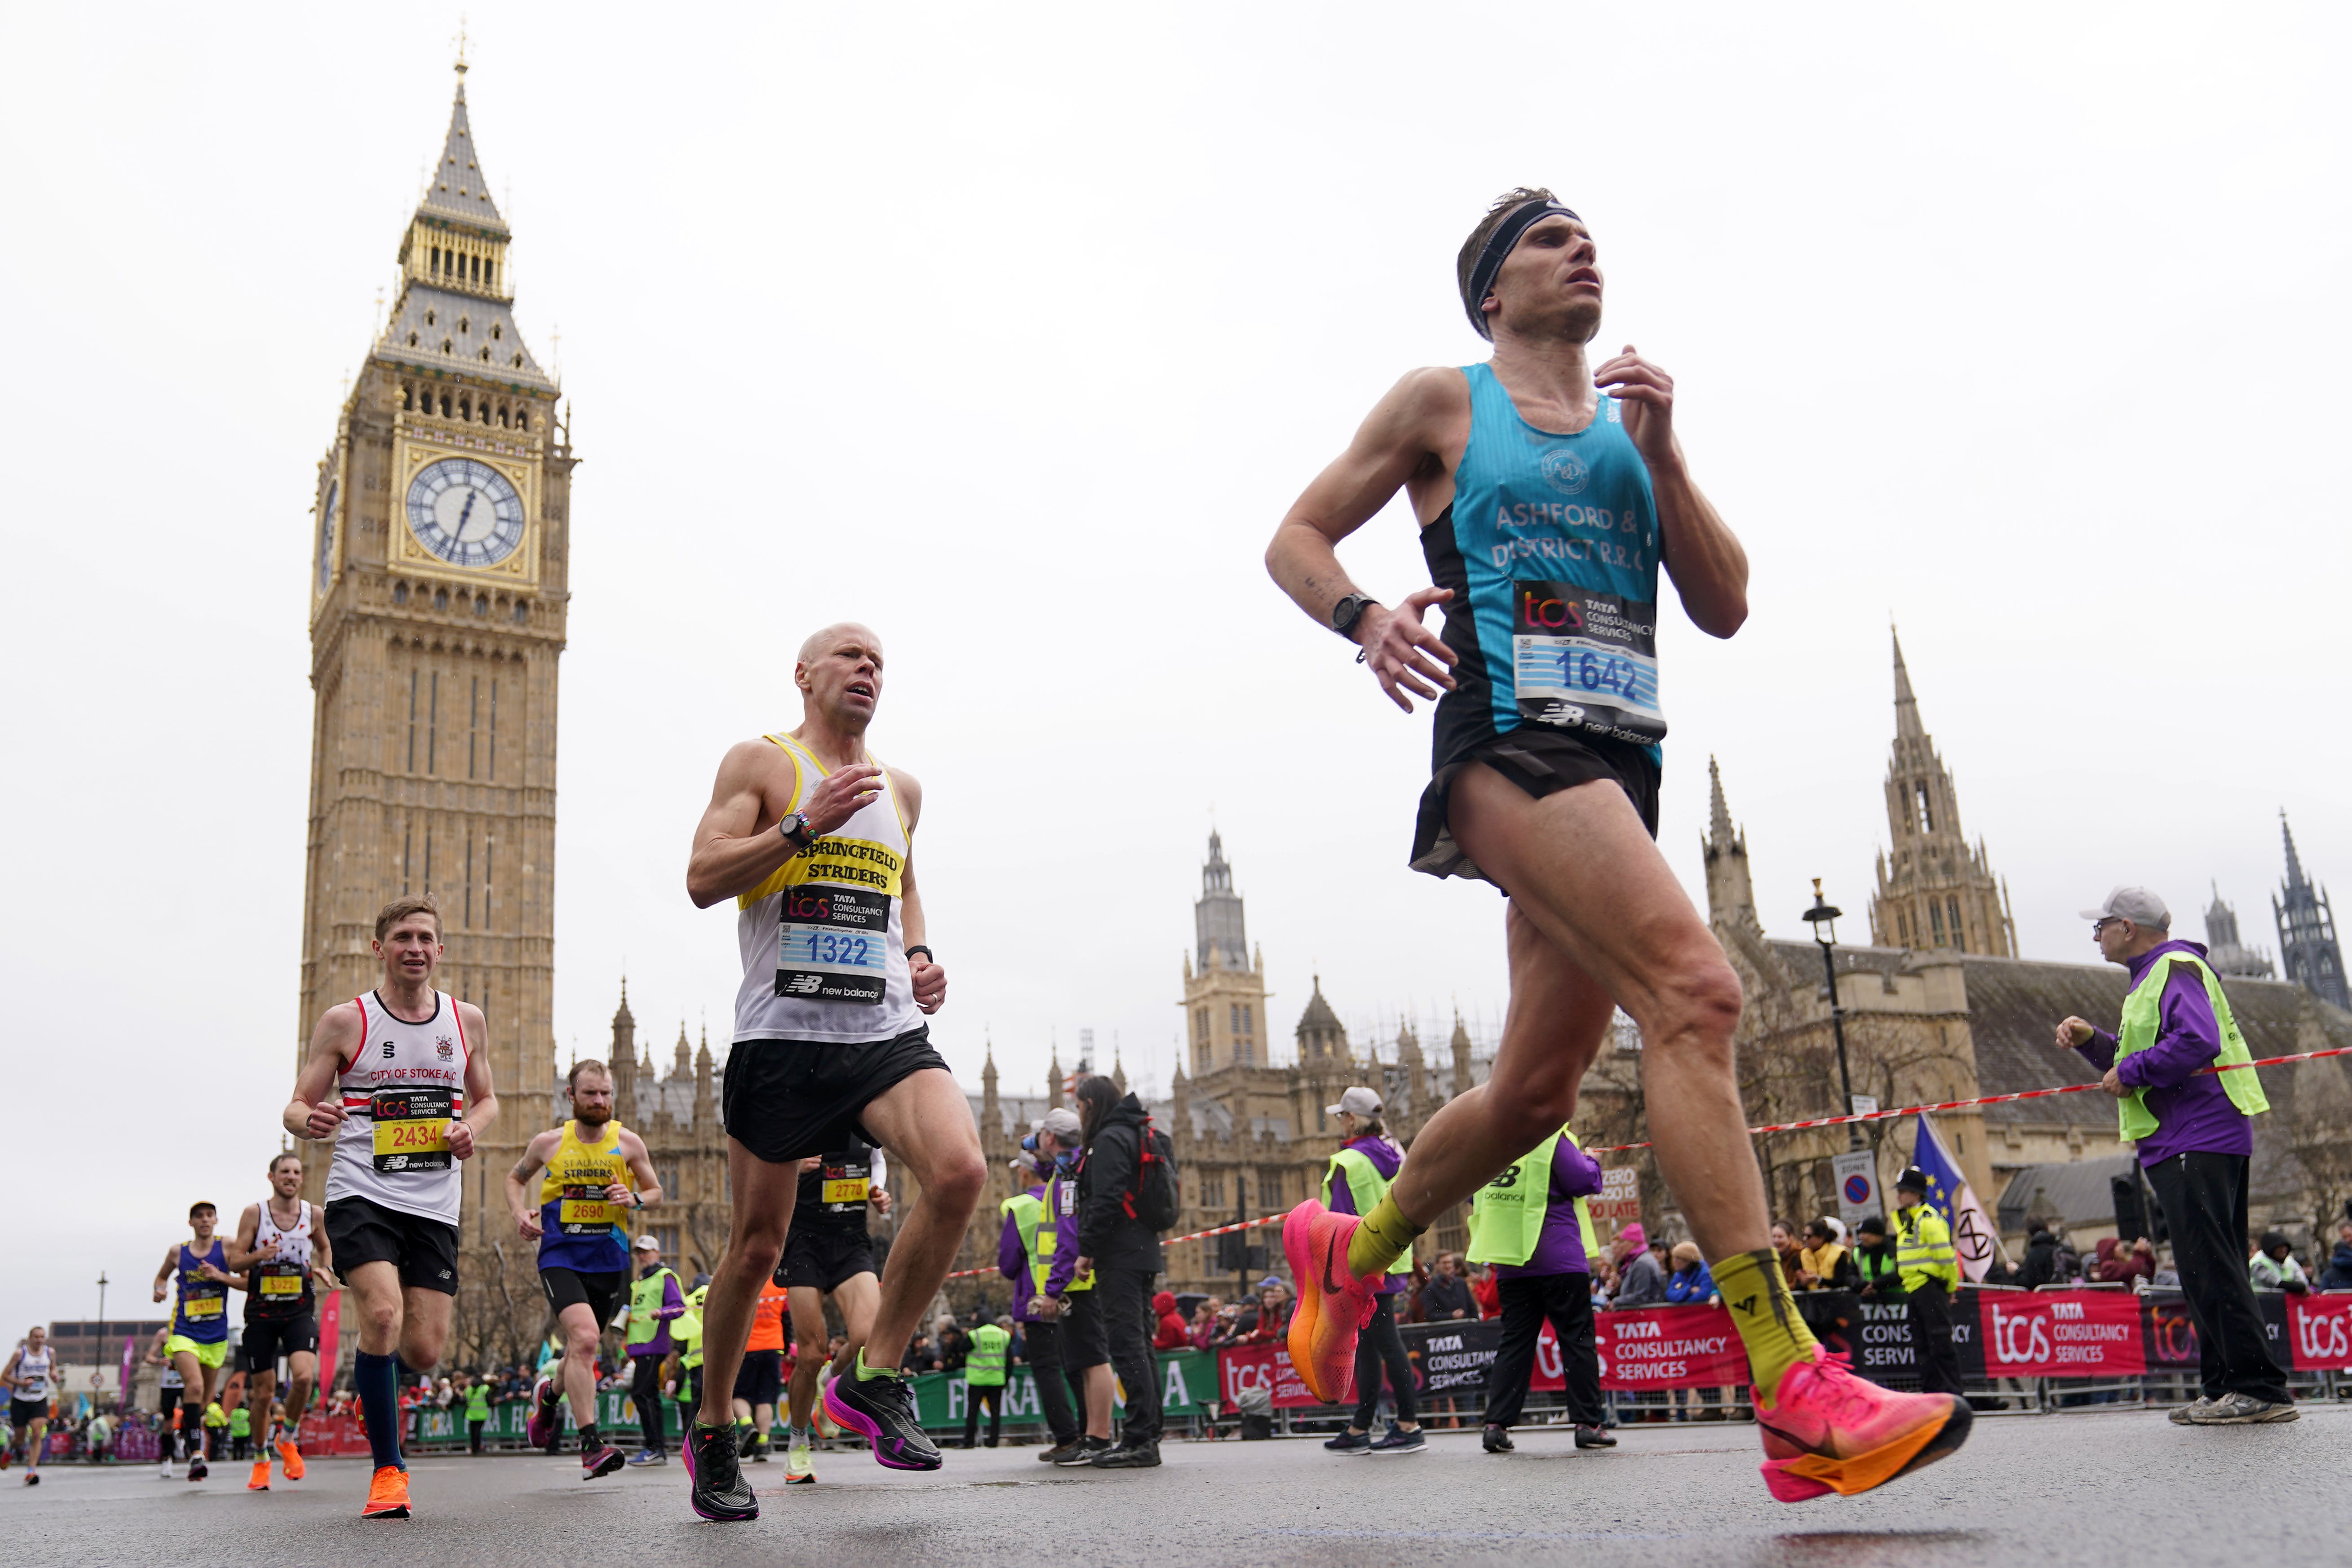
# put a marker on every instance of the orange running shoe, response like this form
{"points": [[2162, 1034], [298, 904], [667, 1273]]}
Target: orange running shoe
{"points": [[292, 1456], [1333, 1304], [1831, 1431], [259, 1481], [387, 1494]]}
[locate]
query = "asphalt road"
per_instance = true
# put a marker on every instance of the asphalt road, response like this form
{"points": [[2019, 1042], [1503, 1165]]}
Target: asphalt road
{"points": [[2092, 1488]]}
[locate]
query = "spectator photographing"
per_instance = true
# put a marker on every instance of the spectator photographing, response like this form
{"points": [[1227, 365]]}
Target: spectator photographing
{"points": [[1119, 1242], [1532, 1224]]}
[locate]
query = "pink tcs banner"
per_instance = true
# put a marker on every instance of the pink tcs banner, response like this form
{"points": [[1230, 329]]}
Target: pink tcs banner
{"points": [[1656, 1347], [2091, 1333], [1261, 1366], [2319, 1331]]}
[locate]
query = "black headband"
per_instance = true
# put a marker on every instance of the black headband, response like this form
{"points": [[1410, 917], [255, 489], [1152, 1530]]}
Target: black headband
{"points": [[1499, 245]]}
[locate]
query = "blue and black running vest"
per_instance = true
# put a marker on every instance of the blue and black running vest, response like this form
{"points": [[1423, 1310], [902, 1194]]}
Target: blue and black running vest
{"points": [[1551, 550]]}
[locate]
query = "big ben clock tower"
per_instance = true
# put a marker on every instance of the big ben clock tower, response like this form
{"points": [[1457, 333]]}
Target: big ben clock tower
{"points": [[440, 540]]}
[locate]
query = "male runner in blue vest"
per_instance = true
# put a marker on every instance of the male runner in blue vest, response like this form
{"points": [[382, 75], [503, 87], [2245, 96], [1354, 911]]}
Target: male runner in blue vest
{"points": [[1549, 491]]}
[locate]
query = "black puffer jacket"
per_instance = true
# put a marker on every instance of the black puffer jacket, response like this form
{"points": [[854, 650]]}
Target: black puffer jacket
{"points": [[1114, 1160]]}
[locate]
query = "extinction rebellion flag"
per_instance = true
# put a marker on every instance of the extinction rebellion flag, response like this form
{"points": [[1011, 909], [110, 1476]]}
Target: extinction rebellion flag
{"points": [[1974, 1237]]}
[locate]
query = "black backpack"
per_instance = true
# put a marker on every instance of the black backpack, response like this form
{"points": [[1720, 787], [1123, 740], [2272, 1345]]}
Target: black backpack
{"points": [[1154, 1199]]}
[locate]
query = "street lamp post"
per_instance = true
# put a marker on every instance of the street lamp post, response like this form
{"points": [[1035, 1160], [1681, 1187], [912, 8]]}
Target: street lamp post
{"points": [[1822, 917]]}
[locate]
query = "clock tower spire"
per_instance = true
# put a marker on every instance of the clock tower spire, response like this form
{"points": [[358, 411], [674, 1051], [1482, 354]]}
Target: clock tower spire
{"points": [[439, 552]]}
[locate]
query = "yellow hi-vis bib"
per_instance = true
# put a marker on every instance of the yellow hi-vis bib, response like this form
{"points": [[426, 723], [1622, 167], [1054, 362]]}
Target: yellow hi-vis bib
{"points": [[2141, 1012], [1506, 1214], [1367, 1187]]}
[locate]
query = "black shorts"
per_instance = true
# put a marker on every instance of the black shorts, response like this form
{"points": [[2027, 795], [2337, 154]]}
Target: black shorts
{"points": [[1540, 761], [25, 1412], [788, 1100], [1084, 1340], [601, 1293], [761, 1378], [266, 1339], [167, 1401], [424, 1251], [821, 1258]]}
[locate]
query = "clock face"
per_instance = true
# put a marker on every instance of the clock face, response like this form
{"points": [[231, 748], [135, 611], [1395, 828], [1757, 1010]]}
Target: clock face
{"points": [[466, 512], [327, 533]]}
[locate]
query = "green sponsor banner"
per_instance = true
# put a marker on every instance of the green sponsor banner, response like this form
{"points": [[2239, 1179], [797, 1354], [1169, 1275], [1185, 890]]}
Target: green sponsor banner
{"points": [[1188, 1386]]}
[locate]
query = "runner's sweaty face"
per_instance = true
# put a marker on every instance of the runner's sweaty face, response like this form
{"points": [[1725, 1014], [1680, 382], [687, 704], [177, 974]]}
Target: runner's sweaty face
{"points": [[286, 1175], [1552, 281], [592, 1100], [840, 675], [410, 950]]}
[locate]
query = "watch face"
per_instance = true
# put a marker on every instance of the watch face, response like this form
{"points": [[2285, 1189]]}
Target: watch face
{"points": [[466, 512], [326, 512]]}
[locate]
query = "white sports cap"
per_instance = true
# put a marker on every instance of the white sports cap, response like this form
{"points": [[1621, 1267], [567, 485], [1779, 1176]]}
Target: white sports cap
{"points": [[1356, 1101], [2137, 905]]}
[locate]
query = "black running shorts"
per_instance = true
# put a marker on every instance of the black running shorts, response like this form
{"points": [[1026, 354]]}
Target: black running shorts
{"points": [[601, 1293], [424, 1251], [1084, 1340], [789, 1099], [1542, 761], [25, 1412], [760, 1379], [265, 1341], [822, 1257]]}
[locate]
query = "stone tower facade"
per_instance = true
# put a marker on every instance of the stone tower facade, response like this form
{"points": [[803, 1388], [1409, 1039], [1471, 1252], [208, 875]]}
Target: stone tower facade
{"points": [[1730, 892], [2223, 950], [440, 540], [1936, 891], [1224, 986], [2308, 952]]}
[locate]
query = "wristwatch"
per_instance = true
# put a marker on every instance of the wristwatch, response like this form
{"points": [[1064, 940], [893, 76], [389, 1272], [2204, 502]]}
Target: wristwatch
{"points": [[796, 830], [1348, 612]]}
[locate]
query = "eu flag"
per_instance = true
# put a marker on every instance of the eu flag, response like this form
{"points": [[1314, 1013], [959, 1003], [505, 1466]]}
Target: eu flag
{"points": [[1974, 1237]]}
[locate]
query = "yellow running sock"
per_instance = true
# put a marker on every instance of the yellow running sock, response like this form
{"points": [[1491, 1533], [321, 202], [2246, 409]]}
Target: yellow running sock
{"points": [[1765, 1313], [1380, 1240]]}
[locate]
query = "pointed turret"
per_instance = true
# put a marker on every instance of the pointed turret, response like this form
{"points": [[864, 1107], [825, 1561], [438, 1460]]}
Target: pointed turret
{"points": [[1730, 891], [623, 1060], [1461, 1045], [992, 1113], [457, 290], [1118, 1069], [1321, 1036], [1053, 1078], [2308, 952], [682, 1065], [1906, 707]]}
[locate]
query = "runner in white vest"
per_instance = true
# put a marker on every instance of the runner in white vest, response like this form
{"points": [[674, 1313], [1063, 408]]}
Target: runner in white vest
{"points": [[28, 1378], [812, 838], [399, 1079]]}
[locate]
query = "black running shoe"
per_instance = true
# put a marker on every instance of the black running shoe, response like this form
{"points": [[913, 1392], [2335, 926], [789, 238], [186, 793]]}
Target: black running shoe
{"points": [[718, 1488], [1060, 1452], [883, 1410], [1128, 1456], [1593, 1438], [1497, 1439], [602, 1460], [1084, 1454]]}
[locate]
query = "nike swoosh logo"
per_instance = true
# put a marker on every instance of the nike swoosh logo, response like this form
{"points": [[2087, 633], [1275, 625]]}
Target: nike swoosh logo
{"points": [[1330, 1286]]}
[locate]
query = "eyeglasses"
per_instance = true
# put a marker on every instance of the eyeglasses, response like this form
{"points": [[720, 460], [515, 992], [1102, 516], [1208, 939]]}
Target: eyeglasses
{"points": [[2099, 925]]}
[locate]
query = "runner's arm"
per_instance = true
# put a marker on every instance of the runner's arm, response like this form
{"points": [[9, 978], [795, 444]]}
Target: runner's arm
{"points": [[534, 1159], [322, 1251], [163, 1275], [1401, 439], [481, 1094], [641, 1165], [316, 1109], [1699, 552], [736, 844], [239, 1249]]}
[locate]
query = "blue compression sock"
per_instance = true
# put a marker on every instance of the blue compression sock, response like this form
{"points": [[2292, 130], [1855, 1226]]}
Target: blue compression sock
{"points": [[376, 1379]]}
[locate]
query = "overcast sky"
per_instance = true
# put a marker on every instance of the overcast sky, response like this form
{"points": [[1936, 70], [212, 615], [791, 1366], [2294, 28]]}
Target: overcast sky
{"points": [[1012, 332]]}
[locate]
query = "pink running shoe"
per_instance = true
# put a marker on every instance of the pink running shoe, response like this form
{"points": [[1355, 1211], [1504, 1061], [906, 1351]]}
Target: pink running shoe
{"points": [[1831, 1431], [540, 1427], [1333, 1304]]}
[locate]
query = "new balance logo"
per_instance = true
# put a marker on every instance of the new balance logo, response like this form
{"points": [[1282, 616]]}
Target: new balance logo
{"points": [[803, 985]]}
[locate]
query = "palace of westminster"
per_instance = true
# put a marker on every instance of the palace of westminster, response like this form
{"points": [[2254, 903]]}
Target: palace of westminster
{"points": [[438, 619]]}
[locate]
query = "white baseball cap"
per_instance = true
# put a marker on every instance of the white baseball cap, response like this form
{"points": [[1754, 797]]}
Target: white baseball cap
{"points": [[1356, 1101], [1061, 1121], [647, 1244], [2137, 905]]}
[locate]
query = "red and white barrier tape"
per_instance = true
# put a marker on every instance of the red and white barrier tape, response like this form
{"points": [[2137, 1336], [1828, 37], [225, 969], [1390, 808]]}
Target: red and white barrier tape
{"points": [[1986, 1099], [1817, 1122]]}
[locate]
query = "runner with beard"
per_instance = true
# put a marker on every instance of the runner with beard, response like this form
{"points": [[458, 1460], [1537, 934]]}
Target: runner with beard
{"points": [[281, 1250], [813, 840], [1549, 491], [596, 1174]]}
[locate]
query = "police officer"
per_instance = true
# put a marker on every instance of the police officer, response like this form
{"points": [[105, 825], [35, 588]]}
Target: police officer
{"points": [[1930, 1271]]}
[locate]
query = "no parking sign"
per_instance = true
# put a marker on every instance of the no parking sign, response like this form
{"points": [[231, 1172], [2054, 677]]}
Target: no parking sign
{"points": [[1857, 1185]]}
